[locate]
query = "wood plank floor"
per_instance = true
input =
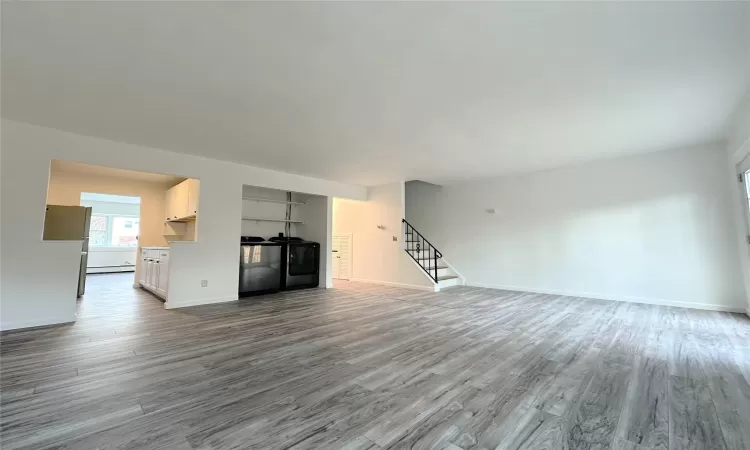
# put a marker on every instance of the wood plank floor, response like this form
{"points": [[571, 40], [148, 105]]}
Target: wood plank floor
{"points": [[370, 367]]}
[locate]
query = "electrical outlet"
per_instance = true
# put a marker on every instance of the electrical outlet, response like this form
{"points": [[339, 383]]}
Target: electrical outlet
{"points": [[204, 283]]}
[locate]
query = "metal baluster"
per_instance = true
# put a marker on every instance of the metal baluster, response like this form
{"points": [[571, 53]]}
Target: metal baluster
{"points": [[436, 269], [423, 260], [431, 256]]}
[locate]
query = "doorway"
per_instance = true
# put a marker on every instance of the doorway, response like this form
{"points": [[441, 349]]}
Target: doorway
{"points": [[341, 254], [113, 234]]}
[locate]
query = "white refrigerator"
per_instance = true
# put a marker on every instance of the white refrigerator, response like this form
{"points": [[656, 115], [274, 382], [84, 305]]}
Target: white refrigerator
{"points": [[70, 223]]}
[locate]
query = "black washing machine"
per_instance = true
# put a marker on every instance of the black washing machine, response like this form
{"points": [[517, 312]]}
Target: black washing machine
{"points": [[260, 266], [300, 261]]}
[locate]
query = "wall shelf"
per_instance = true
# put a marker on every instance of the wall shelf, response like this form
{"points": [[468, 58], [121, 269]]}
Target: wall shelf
{"points": [[260, 219], [268, 200], [191, 218]]}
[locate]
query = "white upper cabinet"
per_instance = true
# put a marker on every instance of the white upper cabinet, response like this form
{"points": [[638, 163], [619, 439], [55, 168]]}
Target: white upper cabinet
{"points": [[193, 192], [182, 200], [169, 203]]}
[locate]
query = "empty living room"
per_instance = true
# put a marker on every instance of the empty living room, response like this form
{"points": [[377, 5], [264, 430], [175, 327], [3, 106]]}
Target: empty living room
{"points": [[375, 225]]}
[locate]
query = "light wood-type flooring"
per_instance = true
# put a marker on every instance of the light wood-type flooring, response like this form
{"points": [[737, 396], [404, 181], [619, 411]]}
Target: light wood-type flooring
{"points": [[371, 367]]}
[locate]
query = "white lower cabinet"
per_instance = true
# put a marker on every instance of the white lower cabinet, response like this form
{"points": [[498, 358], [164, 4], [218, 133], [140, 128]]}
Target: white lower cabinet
{"points": [[162, 279], [155, 270]]}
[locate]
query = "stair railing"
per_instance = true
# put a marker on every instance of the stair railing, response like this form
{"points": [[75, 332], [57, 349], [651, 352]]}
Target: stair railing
{"points": [[421, 250]]}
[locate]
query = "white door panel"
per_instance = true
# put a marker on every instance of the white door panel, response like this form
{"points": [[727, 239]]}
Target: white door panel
{"points": [[342, 256]]}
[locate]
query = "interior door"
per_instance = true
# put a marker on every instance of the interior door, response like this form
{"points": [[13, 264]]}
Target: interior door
{"points": [[342, 256], [335, 259]]}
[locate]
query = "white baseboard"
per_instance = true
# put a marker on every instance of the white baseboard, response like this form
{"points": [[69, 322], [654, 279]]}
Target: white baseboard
{"points": [[49, 321], [646, 301], [199, 302], [403, 285], [111, 269]]}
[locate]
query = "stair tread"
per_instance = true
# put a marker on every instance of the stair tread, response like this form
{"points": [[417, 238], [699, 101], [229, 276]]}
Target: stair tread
{"points": [[447, 277]]}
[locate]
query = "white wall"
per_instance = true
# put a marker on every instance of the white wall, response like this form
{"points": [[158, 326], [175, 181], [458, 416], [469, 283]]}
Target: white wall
{"points": [[26, 154], [100, 207], [317, 214], [421, 200], [655, 228], [738, 131], [376, 257]]}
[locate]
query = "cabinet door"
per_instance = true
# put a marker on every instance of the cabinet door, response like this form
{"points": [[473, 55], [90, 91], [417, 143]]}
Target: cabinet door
{"points": [[181, 199], [169, 204], [142, 274], [163, 282], [156, 272], [146, 272], [152, 274], [193, 194]]}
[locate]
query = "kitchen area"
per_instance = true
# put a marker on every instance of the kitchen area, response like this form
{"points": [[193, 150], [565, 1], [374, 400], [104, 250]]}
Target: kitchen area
{"points": [[283, 237], [180, 222], [125, 220]]}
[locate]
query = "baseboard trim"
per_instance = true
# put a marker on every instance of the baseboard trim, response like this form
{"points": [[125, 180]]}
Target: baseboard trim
{"points": [[109, 269], [646, 301], [434, 288], [200, 302], [34, 324]]}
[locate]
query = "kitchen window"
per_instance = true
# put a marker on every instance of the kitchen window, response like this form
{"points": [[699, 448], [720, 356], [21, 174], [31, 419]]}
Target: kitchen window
{"points": [[114, 231], [115, 220]]}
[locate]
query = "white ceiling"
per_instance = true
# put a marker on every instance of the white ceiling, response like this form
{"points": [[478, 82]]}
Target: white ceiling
{"points": [[82, 169], [374, 92]]}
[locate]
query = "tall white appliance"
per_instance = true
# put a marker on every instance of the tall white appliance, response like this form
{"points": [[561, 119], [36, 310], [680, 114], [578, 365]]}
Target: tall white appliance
{"points": [[70, 223]]}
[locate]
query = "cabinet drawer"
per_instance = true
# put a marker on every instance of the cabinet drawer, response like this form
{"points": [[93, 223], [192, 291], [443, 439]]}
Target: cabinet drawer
{"points": [[152, 253], [163, 255]]}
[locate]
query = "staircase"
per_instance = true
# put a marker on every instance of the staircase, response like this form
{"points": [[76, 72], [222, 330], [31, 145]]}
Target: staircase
{"points": [[429, 258]]}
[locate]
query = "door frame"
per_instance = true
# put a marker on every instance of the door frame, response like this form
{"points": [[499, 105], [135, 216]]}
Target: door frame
{"points": [[738, 159], [350, 236]]}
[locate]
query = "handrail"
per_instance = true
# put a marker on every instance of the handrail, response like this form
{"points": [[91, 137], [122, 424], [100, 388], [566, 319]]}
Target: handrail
{"points": [[432, 252], [420, 235]]}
